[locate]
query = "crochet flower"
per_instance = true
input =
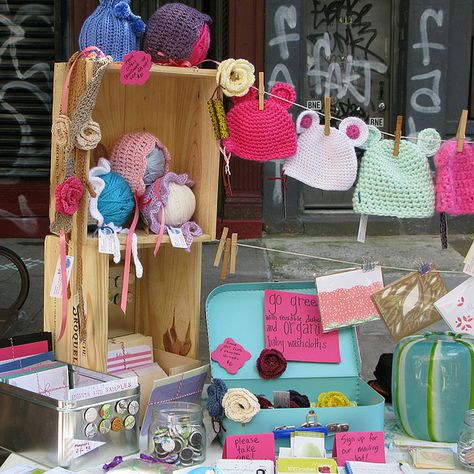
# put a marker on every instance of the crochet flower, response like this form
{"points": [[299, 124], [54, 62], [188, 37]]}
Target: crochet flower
{"points": [[235, 76], [68, 195], [271, 364], [332, 399], [240, 405], [216, 391]]}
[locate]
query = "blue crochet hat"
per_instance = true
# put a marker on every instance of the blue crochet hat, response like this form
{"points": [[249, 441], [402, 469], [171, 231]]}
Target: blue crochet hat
{"points": [[113, 28]]}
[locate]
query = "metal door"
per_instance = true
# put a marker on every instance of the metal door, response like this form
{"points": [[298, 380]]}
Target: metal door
{"points": [[348, 44]]}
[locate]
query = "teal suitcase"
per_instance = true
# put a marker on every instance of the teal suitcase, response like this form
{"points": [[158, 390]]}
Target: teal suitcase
{"points": [[236, 311]]}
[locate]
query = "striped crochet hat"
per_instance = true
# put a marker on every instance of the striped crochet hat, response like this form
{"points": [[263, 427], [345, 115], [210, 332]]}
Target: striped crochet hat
{"points": [[397, 186], [134, 154], [326, 162], [262, 135], [113, 28], [455, 179], [177, 32]]}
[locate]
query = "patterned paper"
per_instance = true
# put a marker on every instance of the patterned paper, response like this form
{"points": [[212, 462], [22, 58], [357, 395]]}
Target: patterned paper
{"points": [[457, 307], [344, 298], [407, 305]]}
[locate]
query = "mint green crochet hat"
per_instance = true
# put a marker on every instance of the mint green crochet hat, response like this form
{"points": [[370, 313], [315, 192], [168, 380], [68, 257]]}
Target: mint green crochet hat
{"points": [[399, 186]]}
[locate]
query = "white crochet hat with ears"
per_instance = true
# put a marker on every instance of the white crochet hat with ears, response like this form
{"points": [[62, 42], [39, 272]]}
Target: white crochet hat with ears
{"points": [[326, 162]]}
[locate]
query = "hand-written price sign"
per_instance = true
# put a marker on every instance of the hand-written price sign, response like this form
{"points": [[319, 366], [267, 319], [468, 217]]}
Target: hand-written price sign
{"points": [[231, 355], [135, 69], [252, 446], [293, 326], [359, 446]]}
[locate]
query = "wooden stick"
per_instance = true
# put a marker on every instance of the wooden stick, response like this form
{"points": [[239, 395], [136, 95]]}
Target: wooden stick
{"points": [[225, 261], [327, 116], [220, 248], [261, 91], [461, 135], [233, 254], [398, 133]]}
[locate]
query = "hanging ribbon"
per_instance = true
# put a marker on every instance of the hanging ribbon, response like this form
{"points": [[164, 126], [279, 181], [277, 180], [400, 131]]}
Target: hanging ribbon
{"points": [[128, 255], [162, 218], [62, 260], [443, 230]]}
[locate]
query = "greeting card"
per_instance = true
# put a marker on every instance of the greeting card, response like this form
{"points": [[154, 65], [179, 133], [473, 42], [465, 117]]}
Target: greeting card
{"points": [[344, 298], [457, 307]]}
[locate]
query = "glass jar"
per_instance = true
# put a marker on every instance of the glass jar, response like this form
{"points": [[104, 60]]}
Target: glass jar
{"points": [[177, 434], [466, 442]]}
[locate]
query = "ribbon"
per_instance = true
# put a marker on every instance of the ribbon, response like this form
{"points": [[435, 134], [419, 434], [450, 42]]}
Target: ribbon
{"points": [[62, 260], [128, 255], [145, 457], [115, 462], [157, 191], [283, 178]]}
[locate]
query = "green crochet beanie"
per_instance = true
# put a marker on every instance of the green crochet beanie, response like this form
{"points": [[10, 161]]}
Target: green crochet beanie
{"points": [[399, 186]]}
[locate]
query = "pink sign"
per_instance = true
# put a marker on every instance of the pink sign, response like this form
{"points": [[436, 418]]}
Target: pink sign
{"points": [[230, 355], [252, 446], [359, 446], [293, 326], [135, 69]]}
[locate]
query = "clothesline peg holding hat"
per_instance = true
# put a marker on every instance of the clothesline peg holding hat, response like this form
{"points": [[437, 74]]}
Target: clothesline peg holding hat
{"points": [[221, 246], [233, 253], [398, 134], [461, 134], [261, 91], [327, 116], [225, 261]]}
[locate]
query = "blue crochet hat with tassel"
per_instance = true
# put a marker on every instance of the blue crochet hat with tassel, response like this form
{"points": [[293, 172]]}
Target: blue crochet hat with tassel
{"points": [[113, 28]]}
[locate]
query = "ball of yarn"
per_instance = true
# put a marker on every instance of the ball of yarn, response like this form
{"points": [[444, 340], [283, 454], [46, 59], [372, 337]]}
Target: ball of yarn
{"points": [[216, 391], [301, 401], [155, 167], [181, 205], [116, 201]]}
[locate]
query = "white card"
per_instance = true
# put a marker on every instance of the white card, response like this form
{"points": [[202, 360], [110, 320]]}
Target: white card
{"points": [[102, 389], [107, 241], [245, 466], [177, 238], [469, 261], [56, 285], [457, 307], [362, 228]]}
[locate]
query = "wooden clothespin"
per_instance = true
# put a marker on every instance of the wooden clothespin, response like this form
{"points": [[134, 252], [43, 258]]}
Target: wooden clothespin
{"points": [[261, 91], [327, 116], [233, 253], [461, 135], [398, 134], [225, 261], [221, 246]]}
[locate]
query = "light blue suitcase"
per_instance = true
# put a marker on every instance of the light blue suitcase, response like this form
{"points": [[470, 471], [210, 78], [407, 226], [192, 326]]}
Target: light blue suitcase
{"points": [[236, 311]]}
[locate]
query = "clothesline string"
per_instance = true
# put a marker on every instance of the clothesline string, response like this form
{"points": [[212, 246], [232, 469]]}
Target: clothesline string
{"points": [[335, 260], [339, 119]]}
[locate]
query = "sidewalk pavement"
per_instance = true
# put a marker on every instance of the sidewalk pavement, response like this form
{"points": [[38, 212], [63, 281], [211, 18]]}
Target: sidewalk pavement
{"points": [[256, 265]]}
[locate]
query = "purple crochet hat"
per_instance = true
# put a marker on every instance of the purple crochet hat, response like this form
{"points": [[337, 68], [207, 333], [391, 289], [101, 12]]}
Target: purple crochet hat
{"points": [[177, 32]]}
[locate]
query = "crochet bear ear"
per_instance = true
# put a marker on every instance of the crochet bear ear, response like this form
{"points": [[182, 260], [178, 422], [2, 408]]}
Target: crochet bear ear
{"points": [[252, 94], [355, 129], [374, 137], [285, 92], [429, 141], [306, 120]]}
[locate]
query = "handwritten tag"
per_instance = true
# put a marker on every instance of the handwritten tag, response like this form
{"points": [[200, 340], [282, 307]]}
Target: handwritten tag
{"points": [[135, 69], [293, 326], [176, 237], [359, 446], [55, 291], [81, 447], [106, 241], [362, 228], [469, 261], [252, 446], [230, 355]]}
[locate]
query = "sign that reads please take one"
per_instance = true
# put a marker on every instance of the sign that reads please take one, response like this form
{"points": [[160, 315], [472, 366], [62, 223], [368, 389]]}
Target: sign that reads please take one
{"points": [[293, 326]]}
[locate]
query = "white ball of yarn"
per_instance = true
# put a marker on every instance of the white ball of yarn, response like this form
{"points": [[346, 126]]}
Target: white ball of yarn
{"points": [[181, 205]]}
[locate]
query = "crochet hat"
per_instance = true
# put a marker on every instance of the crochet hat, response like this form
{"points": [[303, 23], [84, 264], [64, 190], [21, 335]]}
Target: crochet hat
{"points": [[396, 186], [326, 162], [262, 135], [455, 179], [140, 158], [113, 28], [177, 32]]}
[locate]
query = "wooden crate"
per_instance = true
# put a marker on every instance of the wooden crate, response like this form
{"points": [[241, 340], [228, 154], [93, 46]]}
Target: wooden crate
{"points": [[173, 106]]}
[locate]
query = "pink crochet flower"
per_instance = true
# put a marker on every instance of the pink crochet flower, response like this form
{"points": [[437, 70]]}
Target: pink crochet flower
{"points": [[68, 195]]}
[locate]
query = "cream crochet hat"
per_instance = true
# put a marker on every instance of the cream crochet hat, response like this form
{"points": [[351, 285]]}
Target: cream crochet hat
{"points": [[326, 162]]}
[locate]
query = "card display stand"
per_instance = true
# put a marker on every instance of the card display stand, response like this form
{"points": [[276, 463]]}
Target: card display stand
{"points": [[165, 302]]}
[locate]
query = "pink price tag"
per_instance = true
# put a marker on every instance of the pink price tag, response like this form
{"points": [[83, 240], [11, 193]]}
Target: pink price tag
{"points": [[231, 355], [135, 69]]}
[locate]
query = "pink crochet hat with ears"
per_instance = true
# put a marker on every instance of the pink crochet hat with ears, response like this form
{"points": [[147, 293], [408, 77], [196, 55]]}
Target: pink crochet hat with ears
{"points": [[262, 135], [136, 155]]}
